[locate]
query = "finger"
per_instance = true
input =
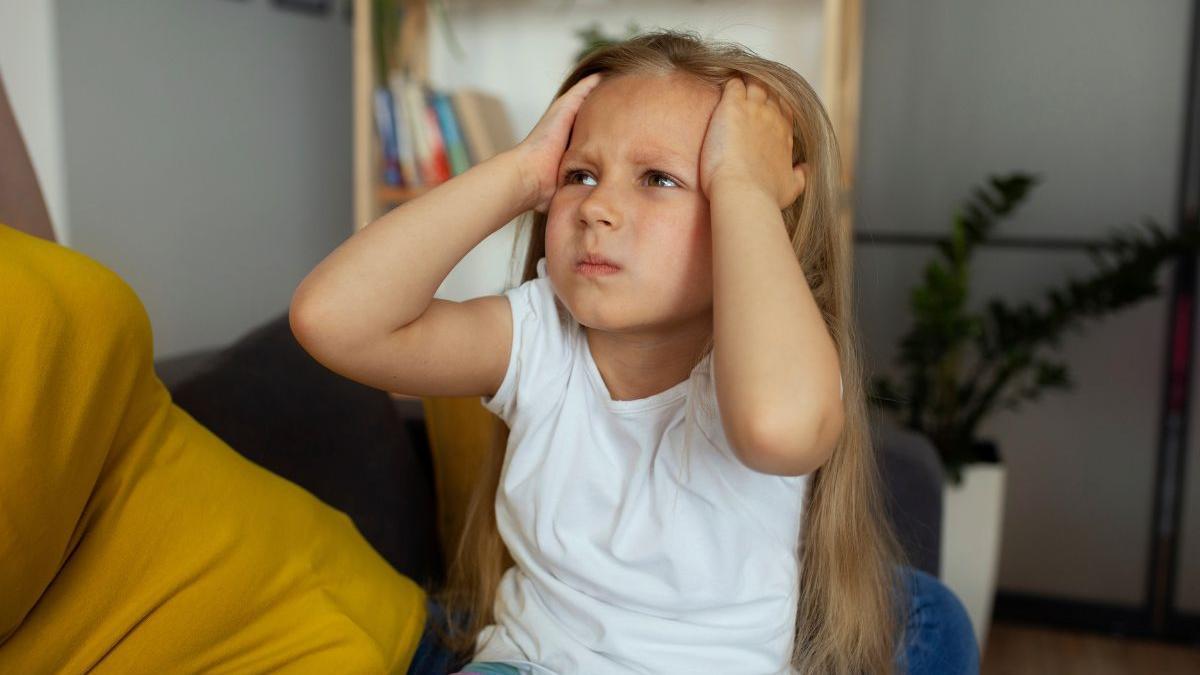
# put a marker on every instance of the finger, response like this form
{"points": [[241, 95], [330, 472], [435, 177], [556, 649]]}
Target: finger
{"points": [[779, 106], [583, 87], [773, 104], [789, 121], [790, 115], [590, 80], [734, 86], [756, 92]]}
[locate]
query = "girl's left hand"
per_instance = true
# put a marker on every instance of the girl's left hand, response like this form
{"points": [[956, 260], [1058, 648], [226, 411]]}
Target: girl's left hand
{"points": [[749, 141]]}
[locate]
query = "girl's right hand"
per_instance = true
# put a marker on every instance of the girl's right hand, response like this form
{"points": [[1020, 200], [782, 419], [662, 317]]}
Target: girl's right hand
{"points": [[542, 150]]}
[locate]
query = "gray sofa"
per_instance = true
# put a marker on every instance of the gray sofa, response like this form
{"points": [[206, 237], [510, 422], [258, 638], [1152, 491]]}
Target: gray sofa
{"points": [[366, 454]]}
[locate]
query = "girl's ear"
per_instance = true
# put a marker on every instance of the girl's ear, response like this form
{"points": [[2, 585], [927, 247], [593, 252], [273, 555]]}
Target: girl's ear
{"points": [[800, 171]]}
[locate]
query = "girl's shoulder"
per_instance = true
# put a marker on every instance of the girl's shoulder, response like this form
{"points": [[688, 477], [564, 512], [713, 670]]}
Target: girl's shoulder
{"points": [[543, 343]]}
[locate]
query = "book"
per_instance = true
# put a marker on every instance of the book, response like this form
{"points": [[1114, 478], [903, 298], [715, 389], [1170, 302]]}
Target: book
{"points": [[437, 145], [405, 151], [429, 135], [414, 111], [484, 122], [455, 149], [385, 124]]}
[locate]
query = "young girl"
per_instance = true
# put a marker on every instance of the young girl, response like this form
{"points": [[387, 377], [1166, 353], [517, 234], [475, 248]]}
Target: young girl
{"points": [[662, 506]]}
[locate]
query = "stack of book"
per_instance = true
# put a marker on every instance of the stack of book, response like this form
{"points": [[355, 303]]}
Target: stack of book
{"points": [[428, 135]]}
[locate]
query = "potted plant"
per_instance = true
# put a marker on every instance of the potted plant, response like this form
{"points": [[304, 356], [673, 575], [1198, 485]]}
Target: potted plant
{"points": [[958, 366]]}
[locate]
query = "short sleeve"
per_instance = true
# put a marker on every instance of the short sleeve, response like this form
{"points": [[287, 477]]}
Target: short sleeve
{"points": [[541, 346]]}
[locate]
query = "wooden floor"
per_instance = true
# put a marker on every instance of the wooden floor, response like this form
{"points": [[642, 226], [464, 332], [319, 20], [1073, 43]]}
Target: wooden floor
{"points": [[1014, 649]]}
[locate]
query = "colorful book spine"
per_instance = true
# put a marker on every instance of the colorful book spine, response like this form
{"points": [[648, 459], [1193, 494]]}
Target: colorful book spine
{"points": [[414, 110], [405, 149], [437, 144], [428, 135], [455, 149], [385, 124]]}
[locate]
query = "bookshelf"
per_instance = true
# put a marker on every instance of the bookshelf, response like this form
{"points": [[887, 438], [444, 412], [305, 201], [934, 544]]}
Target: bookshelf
{"points": [[371, 195], [841, 58]]}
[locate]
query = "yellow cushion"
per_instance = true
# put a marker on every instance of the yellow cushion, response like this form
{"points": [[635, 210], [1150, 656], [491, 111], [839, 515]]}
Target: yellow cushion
{"points": [[461, 436], [134, 540]]}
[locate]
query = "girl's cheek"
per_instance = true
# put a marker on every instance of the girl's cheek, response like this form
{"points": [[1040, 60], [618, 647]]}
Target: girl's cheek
{"points": [[558, 203], [553, 235]]}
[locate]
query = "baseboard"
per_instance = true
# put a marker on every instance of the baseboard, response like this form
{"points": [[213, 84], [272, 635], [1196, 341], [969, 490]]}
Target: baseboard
{"points": [[1102, 618]]}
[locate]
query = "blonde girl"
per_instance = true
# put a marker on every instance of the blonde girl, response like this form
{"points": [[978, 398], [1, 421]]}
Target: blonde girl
{"points": [[689, 484]]}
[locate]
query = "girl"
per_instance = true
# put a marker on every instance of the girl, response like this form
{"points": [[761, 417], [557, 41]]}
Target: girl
{"points": [[656, 509]]}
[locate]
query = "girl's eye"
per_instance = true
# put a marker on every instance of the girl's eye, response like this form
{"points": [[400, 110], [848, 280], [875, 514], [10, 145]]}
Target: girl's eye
{"points": [[570, 174], [659, 173]]}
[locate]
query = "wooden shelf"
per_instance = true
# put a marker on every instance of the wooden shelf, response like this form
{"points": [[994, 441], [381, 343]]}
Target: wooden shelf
{"points": [[391, 194]]}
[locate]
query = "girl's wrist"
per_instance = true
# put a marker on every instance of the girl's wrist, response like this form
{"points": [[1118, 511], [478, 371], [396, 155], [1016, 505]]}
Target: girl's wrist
{"points": [[525, 190]]}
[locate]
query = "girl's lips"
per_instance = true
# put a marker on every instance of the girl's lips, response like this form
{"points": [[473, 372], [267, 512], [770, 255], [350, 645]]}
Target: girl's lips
{"points": [[594, 270]]}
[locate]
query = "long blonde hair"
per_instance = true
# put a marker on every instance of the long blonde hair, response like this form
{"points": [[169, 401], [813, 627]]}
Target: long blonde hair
{"points": [[853, 603]]}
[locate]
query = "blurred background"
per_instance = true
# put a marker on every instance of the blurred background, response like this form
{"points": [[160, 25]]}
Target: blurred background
{"points": [[212, 152]]}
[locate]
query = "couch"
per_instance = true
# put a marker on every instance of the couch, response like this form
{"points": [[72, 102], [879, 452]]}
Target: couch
{"points": [[368, 454]]}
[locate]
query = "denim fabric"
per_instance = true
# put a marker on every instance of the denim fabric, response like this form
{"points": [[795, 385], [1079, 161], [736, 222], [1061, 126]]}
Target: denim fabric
{"points": [[489, 668], [939, 639], [432, 658]]}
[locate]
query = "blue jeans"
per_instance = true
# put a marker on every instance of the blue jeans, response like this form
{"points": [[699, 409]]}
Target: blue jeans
{"points": [[939, 639]]}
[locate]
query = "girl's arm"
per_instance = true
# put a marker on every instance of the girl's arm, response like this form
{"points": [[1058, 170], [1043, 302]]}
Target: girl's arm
{"points": [[384, 276], [367, 311], [777, 373], [778, 369]]}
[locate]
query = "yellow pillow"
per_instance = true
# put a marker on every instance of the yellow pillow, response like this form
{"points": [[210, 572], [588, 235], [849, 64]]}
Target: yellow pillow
{"points": [[134, 540]]}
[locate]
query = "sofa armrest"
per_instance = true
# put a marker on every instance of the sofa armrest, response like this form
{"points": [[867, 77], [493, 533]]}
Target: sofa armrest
{"points": [[913, 481], [344, 442]]}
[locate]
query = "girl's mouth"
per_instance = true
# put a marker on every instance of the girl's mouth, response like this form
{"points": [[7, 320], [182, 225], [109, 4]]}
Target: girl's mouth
{"points": [[596, 269], [595, 264]]}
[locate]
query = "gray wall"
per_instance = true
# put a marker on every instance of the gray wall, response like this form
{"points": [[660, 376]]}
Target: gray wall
{"points": [[208, 154], [29, 67], [1090, 94]]}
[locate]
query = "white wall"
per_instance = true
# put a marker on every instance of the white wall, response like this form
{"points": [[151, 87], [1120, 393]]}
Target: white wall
{"points": [[520, 51], [29, 66]]}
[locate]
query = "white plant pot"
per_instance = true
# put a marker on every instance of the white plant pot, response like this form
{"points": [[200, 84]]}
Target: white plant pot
{"points": [[972, 515]]}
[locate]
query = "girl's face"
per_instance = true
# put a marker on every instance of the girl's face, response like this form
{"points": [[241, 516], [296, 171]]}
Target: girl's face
{"points": [[629, 191]]}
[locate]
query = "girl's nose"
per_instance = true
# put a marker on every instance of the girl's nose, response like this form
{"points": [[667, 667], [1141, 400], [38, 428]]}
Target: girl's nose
{"points": [[598, 207]]}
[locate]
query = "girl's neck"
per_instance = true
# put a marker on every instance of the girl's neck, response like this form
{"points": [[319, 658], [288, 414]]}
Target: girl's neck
{"points": [[638, 365]]}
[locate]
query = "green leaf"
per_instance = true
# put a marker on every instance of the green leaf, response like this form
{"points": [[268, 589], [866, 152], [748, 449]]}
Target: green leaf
{"points": [[959, 367]]}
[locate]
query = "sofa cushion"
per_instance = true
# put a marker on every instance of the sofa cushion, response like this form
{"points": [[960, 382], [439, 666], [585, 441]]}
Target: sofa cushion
{"points": [[271, 401]]}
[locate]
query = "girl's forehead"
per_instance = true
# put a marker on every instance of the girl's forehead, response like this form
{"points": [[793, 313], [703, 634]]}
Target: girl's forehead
{"points": [[656, 115], [637, 91]]}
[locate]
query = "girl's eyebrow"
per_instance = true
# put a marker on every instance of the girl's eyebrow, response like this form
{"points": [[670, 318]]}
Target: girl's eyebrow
{"points": [[641, 155]]}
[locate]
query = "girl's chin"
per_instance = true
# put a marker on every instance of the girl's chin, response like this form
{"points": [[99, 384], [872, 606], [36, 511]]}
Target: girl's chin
{"points": [[596, 316]]}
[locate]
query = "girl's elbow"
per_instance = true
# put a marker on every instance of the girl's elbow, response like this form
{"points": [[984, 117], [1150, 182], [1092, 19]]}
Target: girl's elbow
{"points": [[795, 448]]}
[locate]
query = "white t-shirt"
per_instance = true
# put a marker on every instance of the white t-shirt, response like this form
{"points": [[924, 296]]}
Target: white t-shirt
{"points": [[626, 561]]}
